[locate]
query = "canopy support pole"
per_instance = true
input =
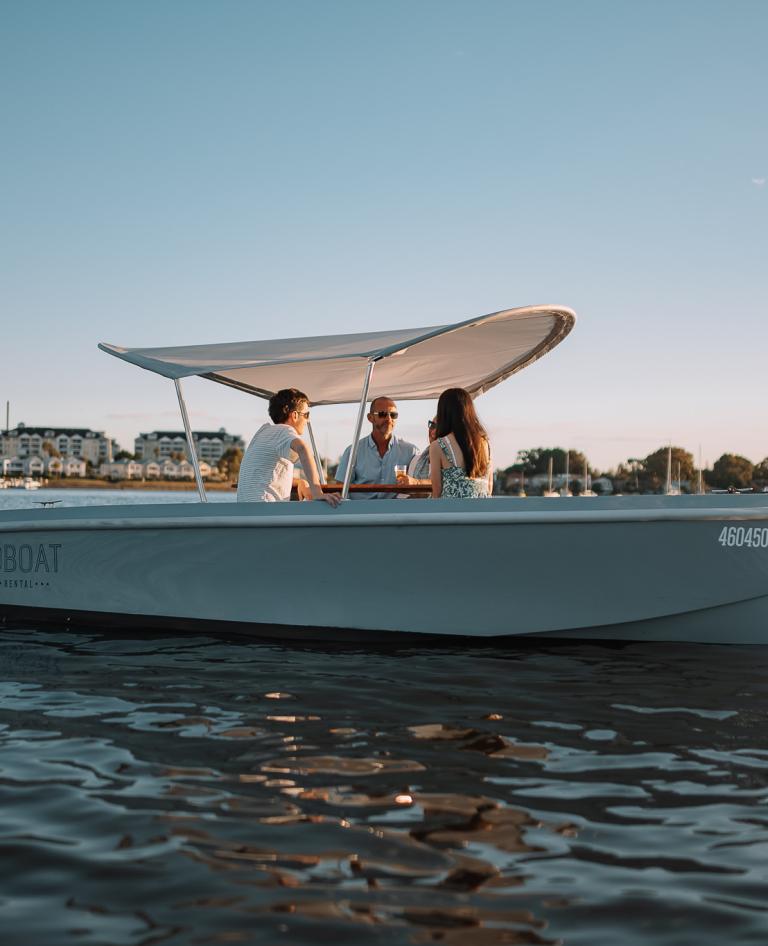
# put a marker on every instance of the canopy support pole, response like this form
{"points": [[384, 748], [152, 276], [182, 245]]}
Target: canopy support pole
{"points": [[190, 442], [318, 464], [358, 428]]}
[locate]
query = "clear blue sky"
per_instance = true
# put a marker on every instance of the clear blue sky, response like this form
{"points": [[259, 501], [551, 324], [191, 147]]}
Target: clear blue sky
{"points": [[186, 171]]}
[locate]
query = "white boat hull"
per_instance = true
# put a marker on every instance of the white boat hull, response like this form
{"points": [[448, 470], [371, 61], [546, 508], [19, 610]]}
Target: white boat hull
{"points": [[647, 568]]}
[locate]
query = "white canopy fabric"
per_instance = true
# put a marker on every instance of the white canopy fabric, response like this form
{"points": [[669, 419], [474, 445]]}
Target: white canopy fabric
{"points": [[410, 363]]}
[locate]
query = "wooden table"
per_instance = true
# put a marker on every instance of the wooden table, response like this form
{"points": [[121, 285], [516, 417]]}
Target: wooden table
{"points": [[420, 489]]}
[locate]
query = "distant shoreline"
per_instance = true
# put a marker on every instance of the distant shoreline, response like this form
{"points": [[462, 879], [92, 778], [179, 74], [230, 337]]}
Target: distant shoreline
{"points": [[171, 485]]}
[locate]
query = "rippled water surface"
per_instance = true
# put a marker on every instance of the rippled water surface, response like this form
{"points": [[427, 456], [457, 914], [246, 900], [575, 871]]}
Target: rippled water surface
{"points": [[213, 790], [194, 790], [33, 499]]}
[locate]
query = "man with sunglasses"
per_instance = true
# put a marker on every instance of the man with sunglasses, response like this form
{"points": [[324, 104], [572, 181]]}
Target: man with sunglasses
{"points": [[266, 473], [379, 453]]}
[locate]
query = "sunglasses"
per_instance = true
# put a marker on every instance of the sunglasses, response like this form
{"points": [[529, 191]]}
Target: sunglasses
{"points": [[304, 414], [382, 414], [431, 424]]}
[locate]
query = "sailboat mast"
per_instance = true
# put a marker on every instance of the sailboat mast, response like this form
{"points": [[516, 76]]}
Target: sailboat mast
{"points": [[701, 484]]}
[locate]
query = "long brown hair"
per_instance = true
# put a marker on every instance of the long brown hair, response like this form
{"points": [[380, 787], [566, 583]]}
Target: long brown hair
{"points": [[456, 415]]}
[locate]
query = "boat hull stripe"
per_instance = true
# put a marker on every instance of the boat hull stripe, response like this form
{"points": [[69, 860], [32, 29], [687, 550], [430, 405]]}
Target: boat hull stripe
{"points": [[333, 520]]}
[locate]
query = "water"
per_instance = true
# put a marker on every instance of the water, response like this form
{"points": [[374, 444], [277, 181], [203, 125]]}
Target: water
{"points": [[31, 499], [196, 790]]}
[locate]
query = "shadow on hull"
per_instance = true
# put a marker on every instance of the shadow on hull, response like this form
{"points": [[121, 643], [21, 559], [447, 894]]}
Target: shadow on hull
{"points": [[706, 626]]}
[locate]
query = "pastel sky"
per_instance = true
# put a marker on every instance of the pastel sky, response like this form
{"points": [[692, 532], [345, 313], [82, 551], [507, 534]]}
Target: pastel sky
{"points": [[184, 172]]}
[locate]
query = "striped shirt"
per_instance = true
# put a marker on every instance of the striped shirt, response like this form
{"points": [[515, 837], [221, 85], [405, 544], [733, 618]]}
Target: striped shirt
{"points": [[266, 473]]}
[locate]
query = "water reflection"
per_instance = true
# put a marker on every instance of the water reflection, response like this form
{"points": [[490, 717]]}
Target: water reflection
{"points": [[192, 790]]}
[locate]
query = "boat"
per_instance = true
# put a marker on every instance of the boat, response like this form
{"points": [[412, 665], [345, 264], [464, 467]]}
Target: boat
{"points": [[565, 489], [662, 568], [22, 482], [549, 493], [587, 491], [669, 489]]}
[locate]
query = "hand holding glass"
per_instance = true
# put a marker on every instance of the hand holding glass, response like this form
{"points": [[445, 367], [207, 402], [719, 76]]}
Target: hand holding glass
{"points": [[400, 471]]}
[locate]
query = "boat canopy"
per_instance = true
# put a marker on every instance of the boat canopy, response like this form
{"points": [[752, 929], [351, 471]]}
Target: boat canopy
{"points": [[410, 363]]}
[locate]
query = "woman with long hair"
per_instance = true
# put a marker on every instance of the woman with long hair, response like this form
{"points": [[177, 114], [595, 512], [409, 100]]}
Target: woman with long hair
{"points": [[460, 457]]}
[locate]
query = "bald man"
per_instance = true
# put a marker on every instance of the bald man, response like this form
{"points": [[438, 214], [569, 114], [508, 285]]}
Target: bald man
{"points": [[379, 452]]}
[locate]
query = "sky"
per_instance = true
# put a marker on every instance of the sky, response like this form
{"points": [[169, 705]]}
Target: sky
{"points": [[184, 172]]}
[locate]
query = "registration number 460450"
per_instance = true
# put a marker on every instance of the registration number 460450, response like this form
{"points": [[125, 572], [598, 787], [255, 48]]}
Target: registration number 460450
{"points": [[753, 537]]}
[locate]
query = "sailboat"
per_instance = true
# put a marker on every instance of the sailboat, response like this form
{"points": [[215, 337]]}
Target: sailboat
{"points": [[670, 489], [549, 492], [565, 490], [587, 491]]}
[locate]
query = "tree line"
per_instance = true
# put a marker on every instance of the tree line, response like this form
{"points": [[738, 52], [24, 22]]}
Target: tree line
{"points": [[641, 474], [635, 475]]}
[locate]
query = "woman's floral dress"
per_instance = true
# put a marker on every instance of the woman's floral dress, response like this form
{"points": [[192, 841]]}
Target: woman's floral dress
{"points": [[456, 483]]}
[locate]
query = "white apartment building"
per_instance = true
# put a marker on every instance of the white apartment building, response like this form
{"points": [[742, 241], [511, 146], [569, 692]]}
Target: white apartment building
{"points": [[210, 445], [22, 466], [81, 443], [122, 470], [42, 466], [152, 470]]}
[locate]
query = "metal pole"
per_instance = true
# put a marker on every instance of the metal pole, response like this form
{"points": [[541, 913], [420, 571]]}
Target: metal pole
{"points": [[318, 464], [358, 427], [191, 443]]}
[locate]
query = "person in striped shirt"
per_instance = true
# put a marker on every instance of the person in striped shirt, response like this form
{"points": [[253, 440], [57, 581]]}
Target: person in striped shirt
{"points": [[267, 471]]}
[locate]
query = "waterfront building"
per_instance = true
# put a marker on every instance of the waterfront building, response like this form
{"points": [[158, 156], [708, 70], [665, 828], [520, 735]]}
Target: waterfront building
{"points": [[42, 466], [210, 446], [122, 470], [13, 466], [73, 466], [152, 470], [82, 443], [33, 466]]}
